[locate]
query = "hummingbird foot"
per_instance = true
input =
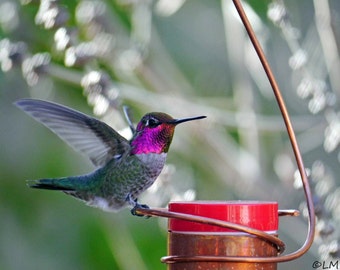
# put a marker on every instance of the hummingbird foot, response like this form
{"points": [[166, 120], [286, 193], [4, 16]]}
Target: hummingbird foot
{"points": [[137, 206]]}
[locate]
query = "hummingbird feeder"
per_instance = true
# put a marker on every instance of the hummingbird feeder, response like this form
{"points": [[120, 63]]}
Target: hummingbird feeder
{"points": [[234, 234]]}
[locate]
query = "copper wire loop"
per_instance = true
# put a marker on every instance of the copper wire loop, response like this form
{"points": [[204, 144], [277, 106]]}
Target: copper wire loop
{"points": [[267, 237], [275, 241], [280, 245]]}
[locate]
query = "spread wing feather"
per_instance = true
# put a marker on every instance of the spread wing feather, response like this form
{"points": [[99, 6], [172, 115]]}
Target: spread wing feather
{"points": [[85, 134]]}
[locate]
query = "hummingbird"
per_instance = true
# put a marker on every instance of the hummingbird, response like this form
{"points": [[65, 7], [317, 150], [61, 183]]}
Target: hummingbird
{"points": [[125, 168]]}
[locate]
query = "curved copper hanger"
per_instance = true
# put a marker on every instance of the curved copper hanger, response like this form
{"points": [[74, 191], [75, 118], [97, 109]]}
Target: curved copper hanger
{"points": [[299, 161]]}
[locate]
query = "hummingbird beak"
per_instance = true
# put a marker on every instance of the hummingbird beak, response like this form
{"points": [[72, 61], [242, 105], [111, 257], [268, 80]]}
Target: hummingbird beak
{"points": [[178, 121]]}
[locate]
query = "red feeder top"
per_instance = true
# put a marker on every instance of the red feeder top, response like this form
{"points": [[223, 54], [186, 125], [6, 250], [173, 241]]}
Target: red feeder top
{"points": [[255, 214]]}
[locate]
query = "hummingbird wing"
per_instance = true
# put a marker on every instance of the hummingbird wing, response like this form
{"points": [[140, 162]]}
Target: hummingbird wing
{"points": [[88, 135]]}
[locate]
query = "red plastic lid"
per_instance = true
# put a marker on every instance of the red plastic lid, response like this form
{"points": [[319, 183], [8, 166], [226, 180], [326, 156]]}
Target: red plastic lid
{"points": [[255, 214]]}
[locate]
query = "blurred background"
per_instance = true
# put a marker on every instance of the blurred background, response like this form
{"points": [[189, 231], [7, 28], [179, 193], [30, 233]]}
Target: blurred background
{"points": [[184, 58]]}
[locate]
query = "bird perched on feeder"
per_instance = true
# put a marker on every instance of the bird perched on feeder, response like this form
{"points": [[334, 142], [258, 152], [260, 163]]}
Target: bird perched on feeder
{"points": [[125, 168]]}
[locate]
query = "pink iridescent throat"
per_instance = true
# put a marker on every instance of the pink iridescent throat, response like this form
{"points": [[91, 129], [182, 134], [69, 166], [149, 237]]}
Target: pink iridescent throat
{"points": [[156, 140]]}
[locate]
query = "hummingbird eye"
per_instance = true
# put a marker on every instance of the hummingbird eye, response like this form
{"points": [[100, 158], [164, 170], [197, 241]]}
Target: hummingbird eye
{"points": [[152, 122]]}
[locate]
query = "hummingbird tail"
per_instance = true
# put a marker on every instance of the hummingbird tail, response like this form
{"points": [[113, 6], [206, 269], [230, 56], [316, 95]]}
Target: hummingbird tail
{"points": [[62, 184]]}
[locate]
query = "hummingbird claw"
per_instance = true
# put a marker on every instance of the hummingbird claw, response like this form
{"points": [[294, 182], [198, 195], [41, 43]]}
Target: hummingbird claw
{"points": [[139, 206]]}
